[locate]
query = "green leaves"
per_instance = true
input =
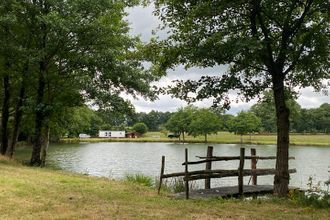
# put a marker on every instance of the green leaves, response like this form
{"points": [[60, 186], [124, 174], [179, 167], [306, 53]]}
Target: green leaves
{"points": [[258, 40], [194, 121], [244, 123], [180, 120], [140, 128], [204, 122]]}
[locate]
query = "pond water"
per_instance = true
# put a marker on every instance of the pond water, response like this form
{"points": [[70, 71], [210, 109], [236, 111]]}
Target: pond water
{"points": [[116, 159]]}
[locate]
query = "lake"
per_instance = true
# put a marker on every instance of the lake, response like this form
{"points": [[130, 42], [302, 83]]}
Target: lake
{"points": [[116, 159]]}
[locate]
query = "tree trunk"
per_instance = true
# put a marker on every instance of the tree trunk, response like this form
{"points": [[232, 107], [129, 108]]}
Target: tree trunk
{"points": [[241, 139], [5, 115], [39, 118], [45, 146], [205, 138], [183, 137], [281, 179], [18, 116]]}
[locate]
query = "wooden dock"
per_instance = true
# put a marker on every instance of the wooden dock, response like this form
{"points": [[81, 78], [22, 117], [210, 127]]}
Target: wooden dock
{"points": [[226, 192], [208, 173]]}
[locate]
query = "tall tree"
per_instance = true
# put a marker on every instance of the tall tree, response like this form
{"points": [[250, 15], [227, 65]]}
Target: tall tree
{"points": [[314, 120], [204, 122], [266, 44], [244, 123], [154, 119], [265, 110], [6, 63], [180, 121], [73, 51]]}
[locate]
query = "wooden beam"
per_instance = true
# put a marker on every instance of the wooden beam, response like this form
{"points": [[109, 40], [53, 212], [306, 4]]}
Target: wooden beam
{"points": [[232, 158], [226, 173], [186, 174], [208, 166], [240, 171], [254, 166], [161, 173], [231, 173]]}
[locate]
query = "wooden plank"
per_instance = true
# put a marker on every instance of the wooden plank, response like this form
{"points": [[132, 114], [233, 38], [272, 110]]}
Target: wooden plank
{"points": [[253, 166], [240, 171], [228, 191], [226, 173], [226, 158], [186, 174], [208, 166], [231, 173], [161, 173]]}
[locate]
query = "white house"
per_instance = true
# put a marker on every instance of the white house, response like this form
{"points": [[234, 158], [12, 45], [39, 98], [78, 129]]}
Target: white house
{"points": [[111, 134]]}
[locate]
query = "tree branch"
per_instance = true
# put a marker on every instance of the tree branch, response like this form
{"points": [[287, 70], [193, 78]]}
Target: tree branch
{"points": [[267, 40], [300, 51], [302, 17], [296, 59], [285, 36]]}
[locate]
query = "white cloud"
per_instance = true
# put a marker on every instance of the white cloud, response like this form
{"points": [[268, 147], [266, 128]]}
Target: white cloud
{"points": [[142, 22], [311, 99]]}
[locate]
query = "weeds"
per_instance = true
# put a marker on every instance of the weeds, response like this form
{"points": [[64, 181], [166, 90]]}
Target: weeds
{"points": [[140, 179], [176, 185], [314, 196]]}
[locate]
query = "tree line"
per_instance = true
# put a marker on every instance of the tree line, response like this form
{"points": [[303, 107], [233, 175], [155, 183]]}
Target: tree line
{"points": [[57, 55], [260, 118]]}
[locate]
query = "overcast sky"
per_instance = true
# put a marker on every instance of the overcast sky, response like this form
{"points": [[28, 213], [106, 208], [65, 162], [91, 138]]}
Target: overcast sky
{"points": [[142, 22]]}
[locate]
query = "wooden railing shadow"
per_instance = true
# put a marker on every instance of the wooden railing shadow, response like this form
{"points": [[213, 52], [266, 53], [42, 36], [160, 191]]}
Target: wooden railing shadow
{"points": [[208, 173]]}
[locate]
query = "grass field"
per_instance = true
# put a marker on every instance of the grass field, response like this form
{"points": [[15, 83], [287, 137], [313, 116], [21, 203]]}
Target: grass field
{"points": [[225, 137], [34, 193]]}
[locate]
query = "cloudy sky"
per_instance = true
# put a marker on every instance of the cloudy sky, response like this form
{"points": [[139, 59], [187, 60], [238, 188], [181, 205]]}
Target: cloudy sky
{"points": [[142, 23]]}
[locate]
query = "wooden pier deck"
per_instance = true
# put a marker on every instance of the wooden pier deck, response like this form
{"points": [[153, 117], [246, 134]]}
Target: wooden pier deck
{"points": [[208, 173], [228, 191]]}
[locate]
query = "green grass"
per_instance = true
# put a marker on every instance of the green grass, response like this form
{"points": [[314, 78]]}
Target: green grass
{"points": [[223, 137], [34, 193]]}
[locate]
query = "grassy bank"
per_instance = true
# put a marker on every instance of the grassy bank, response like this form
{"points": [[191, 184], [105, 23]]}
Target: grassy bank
{"points": [[223, 137], [33, 193]]}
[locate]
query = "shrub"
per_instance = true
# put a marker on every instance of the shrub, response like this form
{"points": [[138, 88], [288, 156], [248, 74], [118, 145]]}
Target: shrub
{"points": [[314, 196], [140, 179], [140, 128]]}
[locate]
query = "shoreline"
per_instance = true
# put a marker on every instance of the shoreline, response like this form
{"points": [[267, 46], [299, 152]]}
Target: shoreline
{"points": [[142, 140], [34, 193]]}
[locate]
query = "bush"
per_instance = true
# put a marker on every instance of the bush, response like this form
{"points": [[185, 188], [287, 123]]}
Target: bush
{"points": [[140, 128], [314, 196], [140, 179]]}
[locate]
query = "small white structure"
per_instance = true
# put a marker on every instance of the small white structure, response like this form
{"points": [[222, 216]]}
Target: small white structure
{"points": [[111, 134], [84, 136]]}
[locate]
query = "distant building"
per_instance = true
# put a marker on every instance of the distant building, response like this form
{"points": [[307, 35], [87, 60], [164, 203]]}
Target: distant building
{"points": [[132, 135], [84, 136], [111, 134]]}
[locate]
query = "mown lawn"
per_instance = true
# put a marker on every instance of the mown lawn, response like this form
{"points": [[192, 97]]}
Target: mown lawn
{"points": [[34, 193], [225, 137]]}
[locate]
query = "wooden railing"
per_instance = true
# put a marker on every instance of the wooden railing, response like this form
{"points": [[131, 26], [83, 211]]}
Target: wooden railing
{"points": [[208, 173]]}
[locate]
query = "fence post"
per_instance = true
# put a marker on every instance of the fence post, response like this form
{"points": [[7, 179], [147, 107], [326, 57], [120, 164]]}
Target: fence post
{"points": [[208, 166], [254, 166], [186, 174], [161, 173], [240, 171]]}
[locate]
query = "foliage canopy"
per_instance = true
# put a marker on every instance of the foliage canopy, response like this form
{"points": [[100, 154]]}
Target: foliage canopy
{"points": [[265, 44]]}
